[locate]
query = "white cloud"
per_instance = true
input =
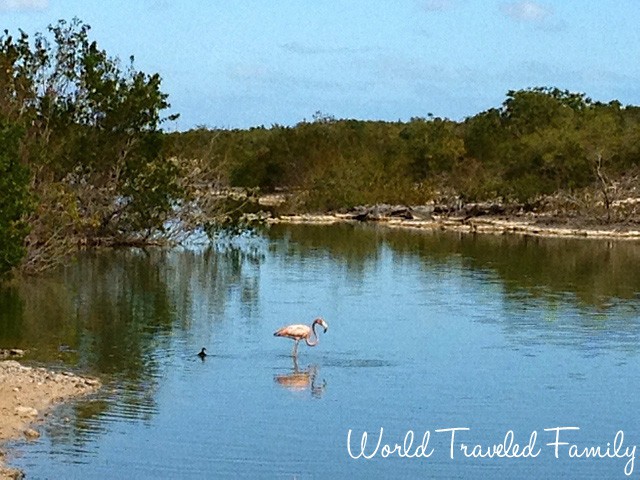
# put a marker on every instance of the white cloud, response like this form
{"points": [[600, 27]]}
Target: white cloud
{"points": [[23, 5], [527, 11]]}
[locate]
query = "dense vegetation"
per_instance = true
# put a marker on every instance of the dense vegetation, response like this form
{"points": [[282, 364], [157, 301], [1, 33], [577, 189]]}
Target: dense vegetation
{"points": [[83, 159], [539, 142], [14, 201], [79, 148]]}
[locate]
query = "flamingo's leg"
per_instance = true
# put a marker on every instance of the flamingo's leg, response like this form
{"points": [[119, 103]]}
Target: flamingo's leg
{"points": [[294, 353]]}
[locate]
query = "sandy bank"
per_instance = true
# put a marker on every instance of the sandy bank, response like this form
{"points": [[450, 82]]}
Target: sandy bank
{"points": [[534, 226], [26, 395]]}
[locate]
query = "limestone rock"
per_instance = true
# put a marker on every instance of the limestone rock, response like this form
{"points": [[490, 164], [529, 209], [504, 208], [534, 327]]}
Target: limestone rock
{"points": [[26, 411], [31, 434]]}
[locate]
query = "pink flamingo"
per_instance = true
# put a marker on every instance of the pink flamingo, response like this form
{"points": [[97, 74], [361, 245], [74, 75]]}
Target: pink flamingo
{"points": [[302, 332]]}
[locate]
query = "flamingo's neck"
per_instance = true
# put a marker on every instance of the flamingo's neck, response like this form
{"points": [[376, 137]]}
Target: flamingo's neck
{"points": [[315, 336]]}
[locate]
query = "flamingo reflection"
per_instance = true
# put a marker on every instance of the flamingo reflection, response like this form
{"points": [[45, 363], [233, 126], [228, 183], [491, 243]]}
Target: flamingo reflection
{"points": [[302, 380]]}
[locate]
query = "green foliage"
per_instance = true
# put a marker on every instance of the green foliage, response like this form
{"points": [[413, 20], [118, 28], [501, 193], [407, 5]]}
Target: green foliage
{"points": [[91, 139], [540, 154], [82, 131], [149, 191], [434, 146], [545, 140], [15, 200], [356, 181], [101, 127], [539, 141]]}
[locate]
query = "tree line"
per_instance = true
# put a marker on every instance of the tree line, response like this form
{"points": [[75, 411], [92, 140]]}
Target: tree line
{"points": [[539, 142], [84, 159]]}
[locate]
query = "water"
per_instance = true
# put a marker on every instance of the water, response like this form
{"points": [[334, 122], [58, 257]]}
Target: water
{"points": [[427, 331]]}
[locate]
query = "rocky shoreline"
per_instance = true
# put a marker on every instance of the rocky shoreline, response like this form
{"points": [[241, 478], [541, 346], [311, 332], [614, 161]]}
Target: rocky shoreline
{"points": [[27, 394], [476, 218]]}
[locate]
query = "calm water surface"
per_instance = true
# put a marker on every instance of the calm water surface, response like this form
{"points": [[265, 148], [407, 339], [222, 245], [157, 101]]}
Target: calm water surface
{"points": [[426, 331]]}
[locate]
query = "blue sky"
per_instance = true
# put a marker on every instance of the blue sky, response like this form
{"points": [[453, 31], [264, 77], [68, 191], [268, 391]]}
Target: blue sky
{"points": [[257, 62]]}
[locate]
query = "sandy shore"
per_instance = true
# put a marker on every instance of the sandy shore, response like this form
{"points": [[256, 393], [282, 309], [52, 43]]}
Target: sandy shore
{"points": [[26, 395]]}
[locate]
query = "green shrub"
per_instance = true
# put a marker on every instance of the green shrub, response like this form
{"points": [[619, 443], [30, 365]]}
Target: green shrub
{"points": [[15, 200]]}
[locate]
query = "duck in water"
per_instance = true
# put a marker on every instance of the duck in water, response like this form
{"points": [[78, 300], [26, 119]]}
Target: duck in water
{"points": [[203, 353]]}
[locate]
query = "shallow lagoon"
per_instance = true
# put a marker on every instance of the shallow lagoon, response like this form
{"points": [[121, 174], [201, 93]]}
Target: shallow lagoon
{"points": [[427, 331]]}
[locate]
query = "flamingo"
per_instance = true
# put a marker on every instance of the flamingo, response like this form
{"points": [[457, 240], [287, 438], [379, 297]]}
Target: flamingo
{"points": [[302, 332]]}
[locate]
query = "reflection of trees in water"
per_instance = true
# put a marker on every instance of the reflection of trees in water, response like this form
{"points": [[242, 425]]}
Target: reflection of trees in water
{"points": [[111, 311], [11, 314], [357, 247], [125, 309], [577, 292], [115, 313], [207, 281], [118, 310], [594, 271]]}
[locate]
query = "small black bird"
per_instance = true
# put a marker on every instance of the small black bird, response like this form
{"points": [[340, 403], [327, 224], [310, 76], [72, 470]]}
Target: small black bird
{"points": [[203, 353]]}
